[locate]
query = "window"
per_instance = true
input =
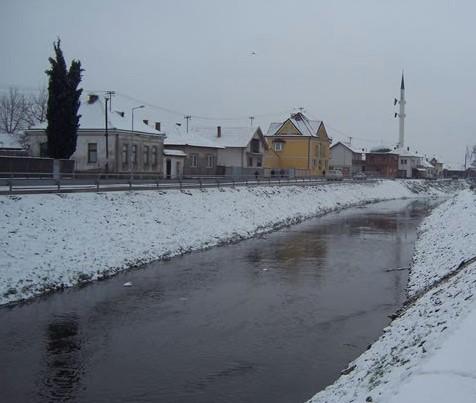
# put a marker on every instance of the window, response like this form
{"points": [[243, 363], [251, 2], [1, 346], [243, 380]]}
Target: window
{"points": [[43, 150], [125, 154], [250, 161], [154, 156], [134, 154], [254, 146], [210, 161], [194, 162], [314, 163], [318, 150], [259, 163], [92, 153], [278, 146], [146, 156]]}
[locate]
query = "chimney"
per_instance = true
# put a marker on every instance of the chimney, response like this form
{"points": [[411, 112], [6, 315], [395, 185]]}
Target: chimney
{"points": [[146, 121], [218, 131], [157, 126]]}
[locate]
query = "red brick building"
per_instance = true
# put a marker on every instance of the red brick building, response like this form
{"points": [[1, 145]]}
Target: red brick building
{"points": [[382, 164]]}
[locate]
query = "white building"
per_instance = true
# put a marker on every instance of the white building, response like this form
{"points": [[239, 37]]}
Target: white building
{"points": [[346, 158], [242, 148], [127, 151], [408, 161]]}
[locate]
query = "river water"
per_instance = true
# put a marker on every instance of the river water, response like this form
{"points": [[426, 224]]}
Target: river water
{"points": [[271, 319]]}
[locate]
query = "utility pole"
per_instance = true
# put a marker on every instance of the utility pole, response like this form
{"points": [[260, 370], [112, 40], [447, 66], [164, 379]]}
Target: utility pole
{"points": [[187, 118], [251, 120], [110, 94], [106, 99]]}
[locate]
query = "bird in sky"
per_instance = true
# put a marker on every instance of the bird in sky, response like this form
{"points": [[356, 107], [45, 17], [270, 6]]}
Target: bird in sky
{"points": [[253, 53]]}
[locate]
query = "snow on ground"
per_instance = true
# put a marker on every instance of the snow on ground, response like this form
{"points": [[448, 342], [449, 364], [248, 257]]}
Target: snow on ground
{"points": [[48, 242], [441, 248], [426, 353]]}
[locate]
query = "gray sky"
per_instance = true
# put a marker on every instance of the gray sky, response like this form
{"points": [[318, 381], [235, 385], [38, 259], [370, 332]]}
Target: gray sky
{"points": [[340, 60]]}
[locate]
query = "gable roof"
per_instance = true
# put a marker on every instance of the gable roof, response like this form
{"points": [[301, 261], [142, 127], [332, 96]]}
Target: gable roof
{"points": [[231, 137], [176, 137], [353, 149], [93, 117], [304, 125]]}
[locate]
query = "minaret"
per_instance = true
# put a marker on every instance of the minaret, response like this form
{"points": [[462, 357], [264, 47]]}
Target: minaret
{"points": [[401, 115]]}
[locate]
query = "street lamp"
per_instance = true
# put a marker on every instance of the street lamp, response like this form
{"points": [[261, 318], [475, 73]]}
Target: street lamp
{"points": [[132, 134]]}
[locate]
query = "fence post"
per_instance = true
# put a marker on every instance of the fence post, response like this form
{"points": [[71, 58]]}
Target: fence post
{"points": [[180, 183], [97, 185], [58, 185], [200, 183], [10, 186]]}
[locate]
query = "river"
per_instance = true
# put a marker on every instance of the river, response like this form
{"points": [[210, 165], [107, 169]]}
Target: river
{"points": [[271, 319]]}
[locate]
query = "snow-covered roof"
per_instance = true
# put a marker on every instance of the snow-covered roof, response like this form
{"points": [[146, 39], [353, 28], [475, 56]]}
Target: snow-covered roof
{"points": [[176, 137], [8, 140], [426, 164], [93, 118], [174, 153], [230, 136], [407, 152], [306, 126], [354, 149]]}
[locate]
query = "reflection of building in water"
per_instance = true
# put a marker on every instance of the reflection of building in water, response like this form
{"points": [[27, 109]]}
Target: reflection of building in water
{"points": [[63, 360]]}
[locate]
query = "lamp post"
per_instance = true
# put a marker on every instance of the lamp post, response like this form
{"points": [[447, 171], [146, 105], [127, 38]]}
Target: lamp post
{"points": [[132, 134]]}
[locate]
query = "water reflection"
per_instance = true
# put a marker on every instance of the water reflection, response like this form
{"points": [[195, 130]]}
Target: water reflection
{"points": [[62, 359], [272, 319]]}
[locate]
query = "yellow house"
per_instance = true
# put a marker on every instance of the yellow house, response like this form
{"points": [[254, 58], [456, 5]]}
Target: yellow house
{"points": [[298, 143]]}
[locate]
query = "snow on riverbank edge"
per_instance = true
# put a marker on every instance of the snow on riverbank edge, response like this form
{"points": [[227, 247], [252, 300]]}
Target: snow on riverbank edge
{"points": [[48, 242], [412, 359]]}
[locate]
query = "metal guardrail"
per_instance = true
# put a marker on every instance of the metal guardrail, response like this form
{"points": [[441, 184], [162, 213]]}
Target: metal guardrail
{"points": [[107, 183]]}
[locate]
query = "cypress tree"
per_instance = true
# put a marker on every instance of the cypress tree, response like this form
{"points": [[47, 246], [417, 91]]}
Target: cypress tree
{"points": [[63, 104]]}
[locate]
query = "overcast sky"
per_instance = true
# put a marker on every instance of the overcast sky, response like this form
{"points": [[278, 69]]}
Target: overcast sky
{"points": [[340, 60]]}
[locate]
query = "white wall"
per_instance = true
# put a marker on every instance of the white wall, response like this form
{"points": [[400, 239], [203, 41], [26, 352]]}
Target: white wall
{"points": [[411, 163], [80, 156], [230, 157], [340, 157], [176, 166]]}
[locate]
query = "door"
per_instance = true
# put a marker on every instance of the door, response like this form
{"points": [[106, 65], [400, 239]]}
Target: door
{"points": [[168, 169]]}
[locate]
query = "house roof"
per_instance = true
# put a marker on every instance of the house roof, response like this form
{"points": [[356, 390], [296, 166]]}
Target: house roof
{"points": [[426, 164], [353, 149], [93, 117], [231, 137], [407, 152], [176, 137], [8, 140], [306, 126]]}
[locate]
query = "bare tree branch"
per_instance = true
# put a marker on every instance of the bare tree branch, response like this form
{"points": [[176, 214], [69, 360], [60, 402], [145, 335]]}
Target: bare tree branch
{"points": [[37, 107], [13, 111]]}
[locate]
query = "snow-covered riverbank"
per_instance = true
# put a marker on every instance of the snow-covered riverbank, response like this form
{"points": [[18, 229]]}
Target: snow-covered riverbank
{"points": [[426, 354], [52, 241]]}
